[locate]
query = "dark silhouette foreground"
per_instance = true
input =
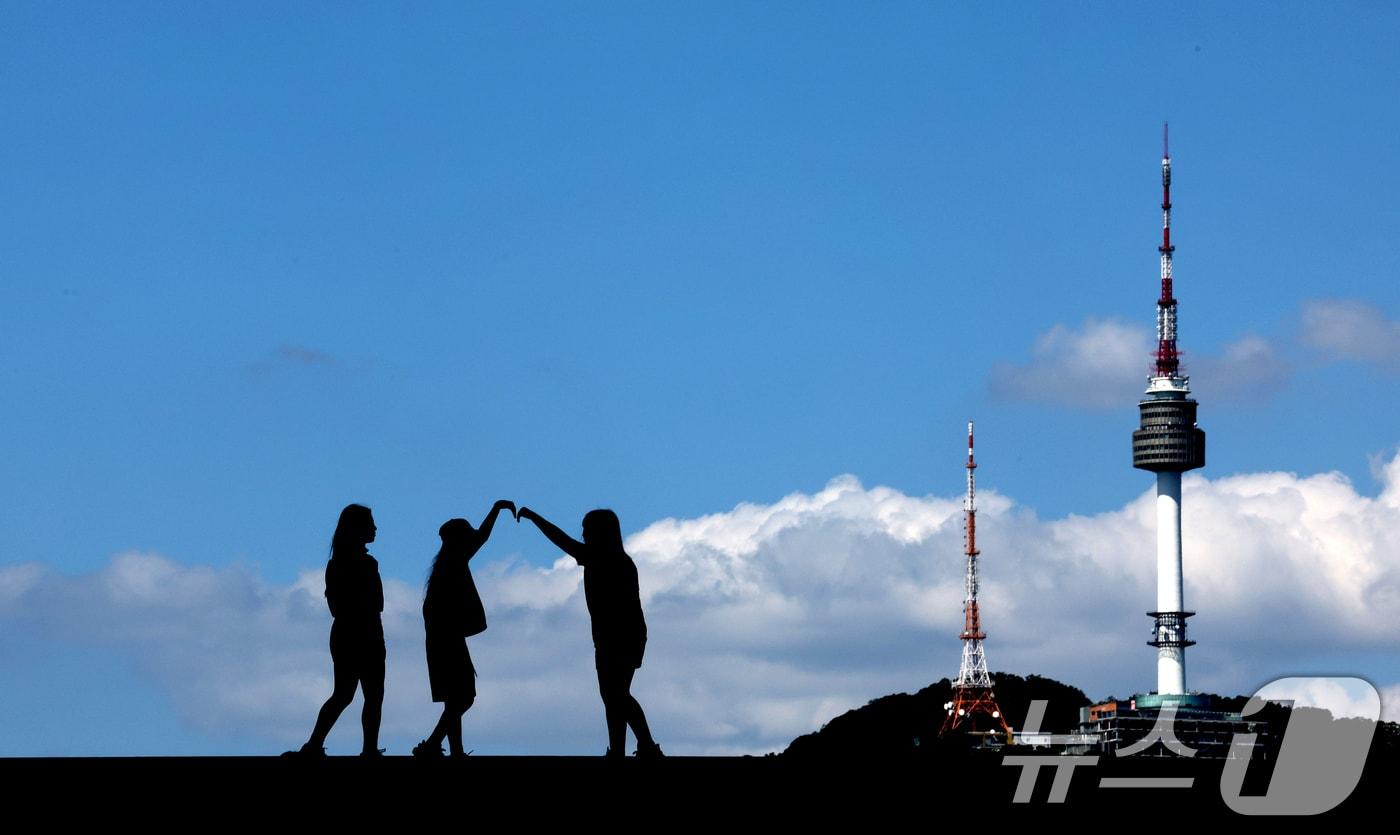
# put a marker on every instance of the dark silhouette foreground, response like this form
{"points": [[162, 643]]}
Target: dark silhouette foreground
{"points": [[733, 794], [452, 612], [619, 629], [355, 596]]}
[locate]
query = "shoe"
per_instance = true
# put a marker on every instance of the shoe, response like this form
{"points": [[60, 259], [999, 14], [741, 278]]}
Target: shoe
{"points": [[609, 755], [423, 749], [308, 752], [460, 756], [649, 752], [373, 753]]}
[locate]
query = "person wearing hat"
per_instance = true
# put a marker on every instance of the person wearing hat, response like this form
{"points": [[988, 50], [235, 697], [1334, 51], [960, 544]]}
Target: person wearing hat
{"points": [[452, 612]]}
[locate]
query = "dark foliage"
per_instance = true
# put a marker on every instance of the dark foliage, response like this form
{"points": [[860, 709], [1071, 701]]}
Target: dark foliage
{"points": [[1229, 704], [906, 725], [1015, 694]]}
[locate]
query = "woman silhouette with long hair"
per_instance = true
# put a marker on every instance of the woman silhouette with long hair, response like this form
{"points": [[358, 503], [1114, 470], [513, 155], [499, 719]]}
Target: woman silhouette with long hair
{"points": [[355, 595], [452, 612], [619, 630]]}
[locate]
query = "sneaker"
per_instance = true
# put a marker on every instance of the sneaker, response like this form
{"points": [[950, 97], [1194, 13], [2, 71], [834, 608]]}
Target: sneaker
{"points": [[609, 755], [423, 749], [649, 752], [461, 756], [373, 753], [307, 751]]}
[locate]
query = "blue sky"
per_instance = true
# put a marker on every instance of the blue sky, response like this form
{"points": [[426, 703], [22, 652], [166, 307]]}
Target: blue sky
{"points": [[259, 262]]}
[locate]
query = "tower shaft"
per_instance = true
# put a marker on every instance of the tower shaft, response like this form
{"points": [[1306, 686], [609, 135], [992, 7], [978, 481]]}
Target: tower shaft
{"points": [[1169, 628]]}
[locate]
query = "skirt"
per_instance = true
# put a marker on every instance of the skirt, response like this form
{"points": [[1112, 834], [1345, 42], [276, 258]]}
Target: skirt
{"points": [[451, 674]]}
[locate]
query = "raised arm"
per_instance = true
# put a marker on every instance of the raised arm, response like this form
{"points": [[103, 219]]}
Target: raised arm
{"points": [[561, 540], [483, 532]]}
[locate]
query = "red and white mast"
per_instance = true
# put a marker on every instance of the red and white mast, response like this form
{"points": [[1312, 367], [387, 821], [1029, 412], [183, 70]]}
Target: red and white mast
{"points": [[1168, 357], [974, 659], [972, 692]]}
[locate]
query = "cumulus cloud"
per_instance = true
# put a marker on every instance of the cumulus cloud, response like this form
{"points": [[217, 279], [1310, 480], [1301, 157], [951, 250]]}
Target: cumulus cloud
{"points": [[769, 619], [1101, 364], [1344, 697], [1346, 329], [1390, 703]]}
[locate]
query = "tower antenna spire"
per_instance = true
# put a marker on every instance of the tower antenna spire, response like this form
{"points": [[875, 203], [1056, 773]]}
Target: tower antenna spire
{"points": [[1168, 357]]}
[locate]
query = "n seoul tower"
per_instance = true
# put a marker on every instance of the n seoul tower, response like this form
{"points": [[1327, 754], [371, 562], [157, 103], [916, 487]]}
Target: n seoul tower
{"points": [[1168, 444]]}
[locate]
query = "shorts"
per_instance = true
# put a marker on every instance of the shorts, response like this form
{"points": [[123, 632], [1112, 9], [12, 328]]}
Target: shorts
{"points": [[357, 649], [627, 655]]}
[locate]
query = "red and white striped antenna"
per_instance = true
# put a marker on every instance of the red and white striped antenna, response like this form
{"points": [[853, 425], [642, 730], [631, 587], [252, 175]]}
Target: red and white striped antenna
{"points": [[1168, 357], [972, 616], [973, 704]]}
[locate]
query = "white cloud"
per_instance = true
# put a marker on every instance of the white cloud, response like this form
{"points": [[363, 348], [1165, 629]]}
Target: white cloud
{"points": [[1348, 329], [1390, 703], [1104, 364], [1343, 696], [768, 620], [1251, 367]]}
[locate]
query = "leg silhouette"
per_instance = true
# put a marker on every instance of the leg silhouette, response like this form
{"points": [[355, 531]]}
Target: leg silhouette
{"points": [[341, 696], [449, 726], [372, 686], [622, 709]]}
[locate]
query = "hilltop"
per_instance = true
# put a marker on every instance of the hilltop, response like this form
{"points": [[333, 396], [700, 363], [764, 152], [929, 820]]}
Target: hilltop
{"points": [[907, 724]]}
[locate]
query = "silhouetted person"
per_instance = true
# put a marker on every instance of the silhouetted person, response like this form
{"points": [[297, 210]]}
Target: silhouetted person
{"points": [[619, 630], [452, 612], [356, 599]]}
